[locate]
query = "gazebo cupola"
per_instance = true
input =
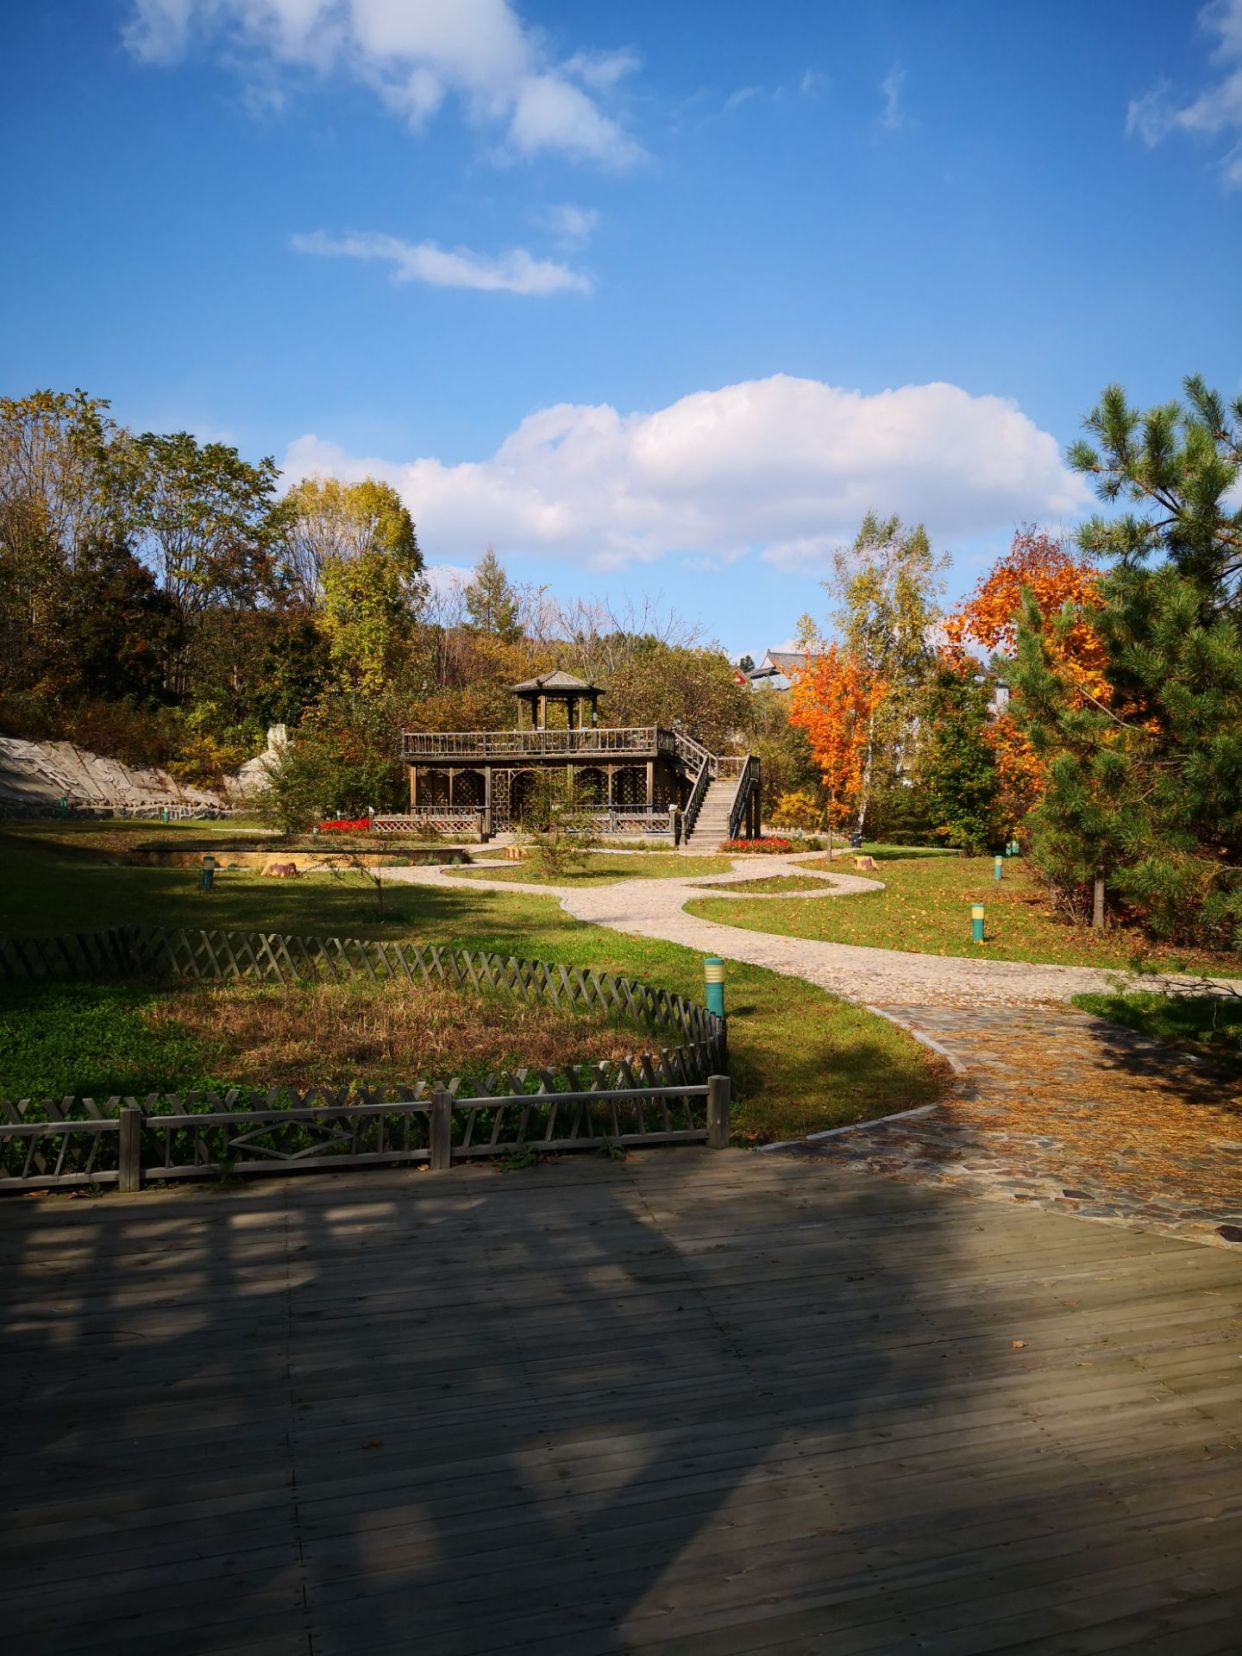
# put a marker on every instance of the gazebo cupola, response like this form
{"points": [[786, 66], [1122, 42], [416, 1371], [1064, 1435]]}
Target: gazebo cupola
{"points": [[558, 689]]}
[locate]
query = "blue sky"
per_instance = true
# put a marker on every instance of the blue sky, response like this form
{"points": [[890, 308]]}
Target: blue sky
{"points": [[656, 299]]}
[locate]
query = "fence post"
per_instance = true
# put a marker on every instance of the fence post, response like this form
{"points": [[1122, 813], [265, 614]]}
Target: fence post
{"points": [[440, 1136], [129, 1158], [718, 1089]]}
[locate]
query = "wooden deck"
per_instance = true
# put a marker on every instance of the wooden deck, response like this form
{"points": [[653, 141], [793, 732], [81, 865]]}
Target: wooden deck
{"points": [[694, 1405]]}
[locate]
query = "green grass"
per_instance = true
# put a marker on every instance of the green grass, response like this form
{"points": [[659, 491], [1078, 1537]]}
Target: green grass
{"points": [[776, 883], [89, 836], [92, 1039], [134, 1038], [925, 909], [897, 853], [601, 868], [801, 1060], [1210, 1026]]}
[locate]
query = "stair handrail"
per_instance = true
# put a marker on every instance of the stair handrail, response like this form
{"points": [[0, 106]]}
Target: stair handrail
{"points": [[749, 779], [698, 792], [691, 752]]}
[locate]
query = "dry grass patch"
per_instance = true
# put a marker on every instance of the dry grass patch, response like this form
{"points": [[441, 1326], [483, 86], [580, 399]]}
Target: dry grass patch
{"points": [[334, 1033]]}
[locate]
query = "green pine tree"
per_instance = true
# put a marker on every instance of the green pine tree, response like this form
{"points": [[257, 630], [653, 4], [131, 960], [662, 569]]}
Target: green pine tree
{"points": [[1144, 785], [961, 785], [492, 602]]}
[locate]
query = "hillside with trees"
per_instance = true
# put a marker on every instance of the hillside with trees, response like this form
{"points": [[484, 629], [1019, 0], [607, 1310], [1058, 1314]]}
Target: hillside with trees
{"points": [[162, 602]]}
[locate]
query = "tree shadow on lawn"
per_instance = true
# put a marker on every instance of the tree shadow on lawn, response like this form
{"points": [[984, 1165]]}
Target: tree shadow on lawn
{"points": [[689, 1403], [1210, 1080]]}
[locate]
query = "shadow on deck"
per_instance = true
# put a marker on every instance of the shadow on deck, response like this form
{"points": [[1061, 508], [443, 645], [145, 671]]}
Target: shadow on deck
{"points": [[693, 1405]]}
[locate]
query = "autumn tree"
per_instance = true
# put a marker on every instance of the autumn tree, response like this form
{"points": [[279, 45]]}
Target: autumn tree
{"points": [[1046, 569], [330, 522], [834, 698], [60, 496], [205, 517], [887, 587]]}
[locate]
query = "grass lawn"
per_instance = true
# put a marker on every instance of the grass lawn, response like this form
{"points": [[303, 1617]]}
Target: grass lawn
{"points": [[100, 1039], [925, 909], [601, 868], [776, 883], [117, 835], [894, 853], [801, 1060], [1209, 1026]]}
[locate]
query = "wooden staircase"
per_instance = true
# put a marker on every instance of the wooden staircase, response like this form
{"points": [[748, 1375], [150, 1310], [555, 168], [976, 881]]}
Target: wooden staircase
{"points": [[718, 806]]}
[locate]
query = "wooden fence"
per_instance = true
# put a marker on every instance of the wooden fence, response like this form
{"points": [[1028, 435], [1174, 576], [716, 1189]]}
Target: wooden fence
{"points": [[673, 1095]]}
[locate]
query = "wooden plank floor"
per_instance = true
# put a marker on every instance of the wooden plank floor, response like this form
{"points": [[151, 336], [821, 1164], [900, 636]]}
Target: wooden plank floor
{"points": [[694, 1405]]}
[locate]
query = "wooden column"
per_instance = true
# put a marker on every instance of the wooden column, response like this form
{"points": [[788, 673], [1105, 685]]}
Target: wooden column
{"points": [[718, 1090], [440, 1131], [129, 1156], [452, 773], [413, 789], [487, 802], [612, 785], [651, 784]]}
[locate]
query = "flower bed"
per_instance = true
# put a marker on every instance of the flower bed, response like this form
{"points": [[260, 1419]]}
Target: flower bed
{"points": [[340, 825], [772, 846]]}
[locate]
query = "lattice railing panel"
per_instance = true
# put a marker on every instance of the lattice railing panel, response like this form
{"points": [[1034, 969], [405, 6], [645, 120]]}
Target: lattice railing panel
{"points": [[75, 1140]]}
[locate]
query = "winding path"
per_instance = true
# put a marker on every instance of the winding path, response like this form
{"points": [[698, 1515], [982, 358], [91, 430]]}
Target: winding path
{"points": [[1052, 1106]]}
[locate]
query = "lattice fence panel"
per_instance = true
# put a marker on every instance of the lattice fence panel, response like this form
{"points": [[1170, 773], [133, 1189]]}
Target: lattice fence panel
{"points": [[75, 1140]]}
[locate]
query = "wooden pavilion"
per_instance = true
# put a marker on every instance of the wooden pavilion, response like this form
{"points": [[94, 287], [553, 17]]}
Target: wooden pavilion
{"points": [[632, 779]]}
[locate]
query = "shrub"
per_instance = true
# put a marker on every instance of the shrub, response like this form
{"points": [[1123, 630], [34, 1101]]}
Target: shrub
{"points": [[800, 809], [772, 845]]}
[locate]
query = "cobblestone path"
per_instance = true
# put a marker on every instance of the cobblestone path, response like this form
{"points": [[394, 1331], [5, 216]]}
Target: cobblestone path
{"points": [[1052, 1107], [1063, 1111]]}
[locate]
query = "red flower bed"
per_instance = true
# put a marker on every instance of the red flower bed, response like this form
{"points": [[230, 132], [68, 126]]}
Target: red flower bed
{"points": [[358, 825], [772, 846]]}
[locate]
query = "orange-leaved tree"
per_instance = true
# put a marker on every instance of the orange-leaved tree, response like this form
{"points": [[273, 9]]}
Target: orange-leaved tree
{"points": [[1055, 577], [832, 698], [1047, 568]]}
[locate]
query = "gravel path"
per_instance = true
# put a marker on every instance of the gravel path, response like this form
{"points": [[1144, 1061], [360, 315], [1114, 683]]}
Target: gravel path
{"points": [[1052, 1108], [654, 908]]}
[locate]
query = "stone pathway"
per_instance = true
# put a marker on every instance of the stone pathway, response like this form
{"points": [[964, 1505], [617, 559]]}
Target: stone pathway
{"points": [[1053, 1107], [1060, 1110]]}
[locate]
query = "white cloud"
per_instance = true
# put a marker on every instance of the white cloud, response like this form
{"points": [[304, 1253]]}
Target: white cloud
{"points": [[572, 226], [784, 467], [414, 54], [893, 116], [735, 100], [515, 271], [1216, 111], [445, 579]]}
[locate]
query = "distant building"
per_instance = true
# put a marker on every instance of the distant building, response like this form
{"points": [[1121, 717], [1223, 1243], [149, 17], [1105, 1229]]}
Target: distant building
{"points": [[775, 671]]}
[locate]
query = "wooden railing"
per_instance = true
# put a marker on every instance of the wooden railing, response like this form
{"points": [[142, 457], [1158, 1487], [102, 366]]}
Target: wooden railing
{"points": [[600, 742], [674, 1093], [748, 778], [697, 794], [458, 821], [693, 755], [129, 1142]]}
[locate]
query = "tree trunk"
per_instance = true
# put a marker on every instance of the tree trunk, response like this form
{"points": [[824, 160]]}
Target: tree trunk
{"points": [[1097, 904]]}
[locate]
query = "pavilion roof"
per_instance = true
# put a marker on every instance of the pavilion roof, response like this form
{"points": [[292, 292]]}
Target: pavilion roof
{"points": [[558, 679]]}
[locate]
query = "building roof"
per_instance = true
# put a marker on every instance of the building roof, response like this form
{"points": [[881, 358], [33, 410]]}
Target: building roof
{"points": [[555, 680], [783, 660], [778, 665]]}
